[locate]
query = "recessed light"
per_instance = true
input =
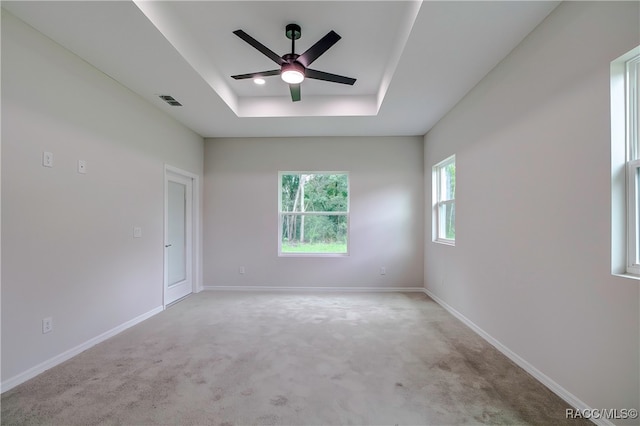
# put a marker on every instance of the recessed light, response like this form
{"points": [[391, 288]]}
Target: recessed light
{"points": [[259, 81]]}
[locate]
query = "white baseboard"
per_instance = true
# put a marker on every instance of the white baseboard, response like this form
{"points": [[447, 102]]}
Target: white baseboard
{"points": [[315, 289], [58, 359], [567, 396]]}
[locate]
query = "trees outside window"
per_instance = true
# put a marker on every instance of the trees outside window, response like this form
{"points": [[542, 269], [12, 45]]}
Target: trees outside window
{"points": [[313, 213]]}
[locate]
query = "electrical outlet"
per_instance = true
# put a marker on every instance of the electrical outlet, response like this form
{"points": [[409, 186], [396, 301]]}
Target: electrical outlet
{"points": [[82, 166], [383, 270], [47, 325], [241, 270], [137, 232]]}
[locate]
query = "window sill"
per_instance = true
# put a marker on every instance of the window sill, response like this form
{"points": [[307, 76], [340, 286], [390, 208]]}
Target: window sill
{"points": [[451, 243], [313, 254], [627, 275]]}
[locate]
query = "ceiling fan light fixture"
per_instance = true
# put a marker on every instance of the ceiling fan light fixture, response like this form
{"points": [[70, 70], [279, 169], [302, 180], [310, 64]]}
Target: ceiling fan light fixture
{"points": [[292, 73], [259, 81]]}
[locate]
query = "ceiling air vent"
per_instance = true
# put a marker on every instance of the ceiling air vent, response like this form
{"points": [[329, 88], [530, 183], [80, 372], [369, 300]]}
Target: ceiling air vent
{"points": [[170, 100]]}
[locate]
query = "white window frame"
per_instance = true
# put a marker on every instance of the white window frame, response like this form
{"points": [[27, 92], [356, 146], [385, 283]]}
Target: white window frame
{"points": [[281, 214], [633, 217], [632, 107], [438, 188]]}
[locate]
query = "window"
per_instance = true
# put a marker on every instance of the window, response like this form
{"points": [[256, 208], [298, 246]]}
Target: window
{"points": [[444, 201], [313, 213], [625, 163], [632, 77]]}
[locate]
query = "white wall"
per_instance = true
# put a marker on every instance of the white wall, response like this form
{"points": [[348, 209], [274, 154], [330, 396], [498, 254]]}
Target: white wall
{"points": [[241, 211], [68, 250], [531, 265]]}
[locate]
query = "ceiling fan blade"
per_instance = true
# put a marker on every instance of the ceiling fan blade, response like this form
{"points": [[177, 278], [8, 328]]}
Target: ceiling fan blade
{"points": [[319, 48], [256, 74], [261, 47], [295, 92], [334, 78]]}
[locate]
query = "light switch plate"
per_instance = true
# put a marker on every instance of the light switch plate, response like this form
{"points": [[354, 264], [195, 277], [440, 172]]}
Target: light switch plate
{"points": [[47, 159], [82, 166]]}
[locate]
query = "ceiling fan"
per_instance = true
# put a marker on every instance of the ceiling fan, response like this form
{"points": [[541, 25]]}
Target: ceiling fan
{"points": [[293, 67]]}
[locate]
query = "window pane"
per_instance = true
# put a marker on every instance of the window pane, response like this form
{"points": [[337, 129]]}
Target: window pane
{"points": [[634, 108], [447, 213], [637, 218], [314, 233], [290, 187], [314, 192], [449, 181]]}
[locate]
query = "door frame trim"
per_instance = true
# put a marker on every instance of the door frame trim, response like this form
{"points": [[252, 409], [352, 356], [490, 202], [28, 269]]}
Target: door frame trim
{"points": [[196, 226]]}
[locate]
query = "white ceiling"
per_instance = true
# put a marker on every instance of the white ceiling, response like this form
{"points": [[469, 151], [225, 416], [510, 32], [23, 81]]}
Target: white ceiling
{"points": [[413, 61]]}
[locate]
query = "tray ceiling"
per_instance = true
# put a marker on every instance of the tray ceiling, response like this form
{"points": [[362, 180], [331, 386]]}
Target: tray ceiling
{"points": [[413, 60]]}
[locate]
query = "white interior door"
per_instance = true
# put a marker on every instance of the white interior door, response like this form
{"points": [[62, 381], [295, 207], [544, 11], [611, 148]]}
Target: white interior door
{"points": [[178, 252]]}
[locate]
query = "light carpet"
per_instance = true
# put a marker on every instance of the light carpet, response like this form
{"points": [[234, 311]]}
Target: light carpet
{"points": [[240, 358]]}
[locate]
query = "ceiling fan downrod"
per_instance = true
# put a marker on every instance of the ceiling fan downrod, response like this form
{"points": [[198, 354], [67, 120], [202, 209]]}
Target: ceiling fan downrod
{"points": [[293, 32]]}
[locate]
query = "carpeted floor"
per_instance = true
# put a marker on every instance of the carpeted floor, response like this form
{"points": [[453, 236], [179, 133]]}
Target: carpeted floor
{"points": [[289, 359]]}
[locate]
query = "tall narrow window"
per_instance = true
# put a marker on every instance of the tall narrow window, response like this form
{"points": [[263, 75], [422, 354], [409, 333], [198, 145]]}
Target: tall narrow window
{"points": [[313, 213], [632, 77], [444, 201]]}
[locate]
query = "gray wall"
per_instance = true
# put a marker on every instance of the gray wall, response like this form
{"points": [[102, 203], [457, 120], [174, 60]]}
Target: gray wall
{"points": [[241, 211], [67, 239], [531, 265]]}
